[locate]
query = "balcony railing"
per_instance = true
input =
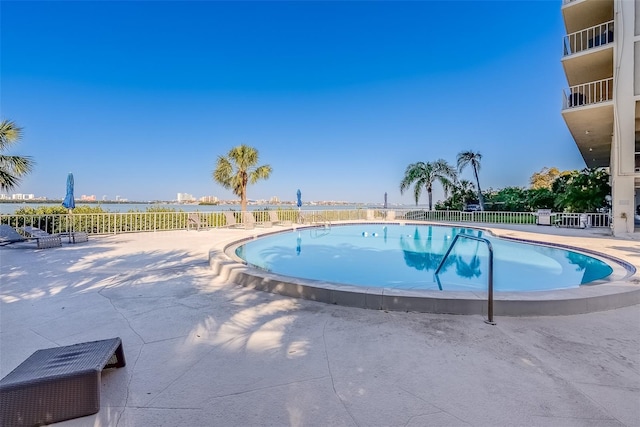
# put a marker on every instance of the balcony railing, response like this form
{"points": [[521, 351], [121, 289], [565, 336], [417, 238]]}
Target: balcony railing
{"points": [[588, 94], [589, 38]]}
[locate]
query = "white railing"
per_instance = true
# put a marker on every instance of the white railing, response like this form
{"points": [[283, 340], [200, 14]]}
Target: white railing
{"points": [[134, 222], [590, 38], [588, 93], [581, 220]]}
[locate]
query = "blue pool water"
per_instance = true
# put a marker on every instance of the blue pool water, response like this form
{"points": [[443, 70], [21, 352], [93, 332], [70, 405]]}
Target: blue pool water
{"points": [[406, 257]]}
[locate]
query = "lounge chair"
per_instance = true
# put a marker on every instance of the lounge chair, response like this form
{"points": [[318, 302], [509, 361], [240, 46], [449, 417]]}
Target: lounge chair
{"points": [[9, 235], [194, 221], [251, 218], [43, 236], [273, 216], [230, 217], [44, 239]]}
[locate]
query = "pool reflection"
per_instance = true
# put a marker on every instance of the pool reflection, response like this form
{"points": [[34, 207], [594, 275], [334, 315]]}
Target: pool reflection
{"points": [[426, 254]]}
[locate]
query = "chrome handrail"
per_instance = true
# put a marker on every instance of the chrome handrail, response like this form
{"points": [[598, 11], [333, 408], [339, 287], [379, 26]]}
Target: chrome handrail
{"points": [[490, 278]]}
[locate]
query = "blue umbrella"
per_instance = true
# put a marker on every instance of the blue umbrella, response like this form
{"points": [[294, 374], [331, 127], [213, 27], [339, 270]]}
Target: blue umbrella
{"points": [[299, 202], [385, 200], [69, 202]]}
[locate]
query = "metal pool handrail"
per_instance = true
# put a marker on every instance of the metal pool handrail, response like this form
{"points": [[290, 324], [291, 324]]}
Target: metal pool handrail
{"points": [[490, 278]]}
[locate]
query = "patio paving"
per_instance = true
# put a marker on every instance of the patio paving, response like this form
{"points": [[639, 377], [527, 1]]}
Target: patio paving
{"points": [[203, 351]]}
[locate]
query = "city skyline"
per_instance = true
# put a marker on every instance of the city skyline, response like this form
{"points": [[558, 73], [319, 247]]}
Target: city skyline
{"points": [[338, 97], [92, 198]]}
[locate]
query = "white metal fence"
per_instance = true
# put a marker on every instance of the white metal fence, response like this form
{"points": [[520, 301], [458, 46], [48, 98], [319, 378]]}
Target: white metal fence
{"points": [[133, 222]]}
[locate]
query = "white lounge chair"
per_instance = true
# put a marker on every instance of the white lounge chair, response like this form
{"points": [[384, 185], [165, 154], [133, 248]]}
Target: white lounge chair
{"points": [[231, 222], [193, 220], [251, 218], [273, 216]]}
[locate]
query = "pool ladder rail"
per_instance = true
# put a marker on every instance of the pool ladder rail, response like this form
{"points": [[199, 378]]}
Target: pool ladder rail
{"points": [[321, 231], [489, 319]]}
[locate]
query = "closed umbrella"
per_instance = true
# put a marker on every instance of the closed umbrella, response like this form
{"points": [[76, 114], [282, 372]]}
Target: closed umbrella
{"points": [[69, 201], [299, 204], [385, 200]]}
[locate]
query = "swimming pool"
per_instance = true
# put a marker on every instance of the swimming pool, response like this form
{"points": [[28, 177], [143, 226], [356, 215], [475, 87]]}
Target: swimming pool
{"points": [[405, 257]]}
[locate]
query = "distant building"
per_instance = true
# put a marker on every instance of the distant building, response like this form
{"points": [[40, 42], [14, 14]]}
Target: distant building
{"points": [[19, 196], [91, 198], [274, 200], [185, 197], [209, 199]]}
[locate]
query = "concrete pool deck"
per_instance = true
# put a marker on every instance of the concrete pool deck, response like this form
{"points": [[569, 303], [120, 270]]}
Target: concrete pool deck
{"points": [[202, 350]]}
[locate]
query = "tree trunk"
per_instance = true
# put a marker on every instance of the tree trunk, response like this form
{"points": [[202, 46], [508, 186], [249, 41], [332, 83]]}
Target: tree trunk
{"points": [[243, 200], [430, 194], [480, 198]]}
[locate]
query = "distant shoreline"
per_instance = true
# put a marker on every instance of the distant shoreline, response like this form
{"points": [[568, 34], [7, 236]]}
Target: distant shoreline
{"points": [[173, 202], [10, 207]]}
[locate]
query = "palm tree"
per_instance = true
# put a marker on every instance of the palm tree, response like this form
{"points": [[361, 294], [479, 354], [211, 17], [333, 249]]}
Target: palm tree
{"points": [[424, 174], [12, 168], [466, 189], [466, 158], [238, 169]]}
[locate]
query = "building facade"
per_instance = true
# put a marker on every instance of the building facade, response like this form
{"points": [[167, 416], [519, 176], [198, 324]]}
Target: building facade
{"points": [[601, 106], [185, 197]]}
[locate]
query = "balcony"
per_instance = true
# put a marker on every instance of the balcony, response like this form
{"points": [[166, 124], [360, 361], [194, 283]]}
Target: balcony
{"points": [[588, 94], [590, 38], [588, 111], [581, 14]]}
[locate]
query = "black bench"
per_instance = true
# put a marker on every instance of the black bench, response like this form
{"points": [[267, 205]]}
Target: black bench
{"points": [[58, 383]]}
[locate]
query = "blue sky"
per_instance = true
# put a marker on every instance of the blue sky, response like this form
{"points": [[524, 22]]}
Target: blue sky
{"points": [[138, 99]]}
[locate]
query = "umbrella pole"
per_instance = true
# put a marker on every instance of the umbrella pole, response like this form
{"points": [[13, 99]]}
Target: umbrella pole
{"points": [[70, 227]]}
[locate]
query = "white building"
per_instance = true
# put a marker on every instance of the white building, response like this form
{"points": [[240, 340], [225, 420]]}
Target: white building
{"points": [[185, 197], [19, 196], [209, 199], [602, 104]]}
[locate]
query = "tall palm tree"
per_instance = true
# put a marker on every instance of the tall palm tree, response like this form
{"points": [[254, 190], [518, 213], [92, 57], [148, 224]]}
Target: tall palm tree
{"points": [[12, 168], [471, 158], [238, 169], [425, 174]]}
